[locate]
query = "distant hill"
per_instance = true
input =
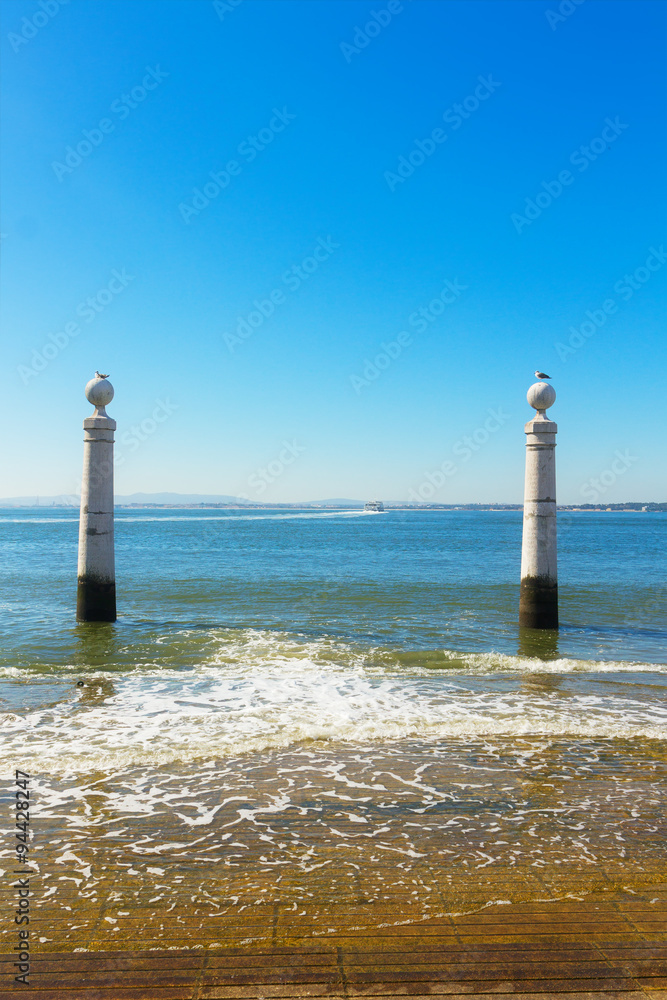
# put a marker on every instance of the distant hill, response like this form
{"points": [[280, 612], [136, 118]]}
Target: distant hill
{"points": [[62, 500], [337, 502], [193, 499], [178, 498]]}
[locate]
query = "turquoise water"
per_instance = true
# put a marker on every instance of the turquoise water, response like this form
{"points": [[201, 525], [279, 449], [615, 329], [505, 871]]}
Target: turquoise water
{"points": [[298, 696], [411, 580], [240, 631], [406, 580]]}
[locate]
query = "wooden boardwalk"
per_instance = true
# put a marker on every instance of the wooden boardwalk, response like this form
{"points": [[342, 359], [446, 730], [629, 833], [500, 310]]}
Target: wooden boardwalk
{"points": [[541, 872], [582, 950]]}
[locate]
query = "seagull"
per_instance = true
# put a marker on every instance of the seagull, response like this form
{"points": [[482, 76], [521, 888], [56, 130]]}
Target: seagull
{"points": [[99, 375], [537, 375]]}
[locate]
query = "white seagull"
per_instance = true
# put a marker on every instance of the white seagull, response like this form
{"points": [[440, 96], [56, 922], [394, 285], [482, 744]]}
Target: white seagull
{"points": [[99, 375], [541, 375]]}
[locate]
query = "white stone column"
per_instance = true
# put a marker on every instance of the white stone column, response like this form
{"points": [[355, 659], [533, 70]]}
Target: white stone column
{"points": [[96, 592], [538, 607]]}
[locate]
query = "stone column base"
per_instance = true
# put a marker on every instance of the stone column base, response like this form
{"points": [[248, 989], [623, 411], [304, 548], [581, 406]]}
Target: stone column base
{"points": [[95, 601], [538, 603]]}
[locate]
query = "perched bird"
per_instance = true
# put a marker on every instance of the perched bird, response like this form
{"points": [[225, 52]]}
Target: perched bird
{"points": [[537, 375], [99, 375]]}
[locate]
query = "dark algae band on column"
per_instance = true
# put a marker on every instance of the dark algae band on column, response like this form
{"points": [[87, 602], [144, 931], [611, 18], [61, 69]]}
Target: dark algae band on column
{"points": [[538, 603], [95, 601]]}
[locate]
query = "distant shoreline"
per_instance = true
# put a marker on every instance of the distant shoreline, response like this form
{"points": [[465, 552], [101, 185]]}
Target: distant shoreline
{"points": [[629, 508]]}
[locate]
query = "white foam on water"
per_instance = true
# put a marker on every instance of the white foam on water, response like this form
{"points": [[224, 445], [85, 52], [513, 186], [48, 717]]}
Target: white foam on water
{"points": [[38, 520], [257, 690], [231, 517], [494, 662], [303, 823], [255, 648]]}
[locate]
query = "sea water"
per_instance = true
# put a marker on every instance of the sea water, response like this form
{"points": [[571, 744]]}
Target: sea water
{"points": [[301, 682]]}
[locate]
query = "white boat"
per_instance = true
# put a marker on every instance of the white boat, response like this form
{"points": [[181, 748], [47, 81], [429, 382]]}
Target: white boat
{"points": [[376, 505]]}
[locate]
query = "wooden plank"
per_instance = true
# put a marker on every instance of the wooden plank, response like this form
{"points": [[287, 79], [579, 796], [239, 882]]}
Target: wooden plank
{"points": [[582, 952]]}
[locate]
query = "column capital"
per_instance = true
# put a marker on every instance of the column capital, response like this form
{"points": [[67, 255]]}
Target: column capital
{"points": [[540, 425], [99, 423]]}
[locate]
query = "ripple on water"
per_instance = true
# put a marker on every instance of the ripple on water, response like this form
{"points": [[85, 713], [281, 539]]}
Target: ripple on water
{"points": [[257, 690], [442, 827]]}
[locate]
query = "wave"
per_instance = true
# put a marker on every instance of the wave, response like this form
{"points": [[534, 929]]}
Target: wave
{"points": [[256, 690], [257, 648], [232, 516]]}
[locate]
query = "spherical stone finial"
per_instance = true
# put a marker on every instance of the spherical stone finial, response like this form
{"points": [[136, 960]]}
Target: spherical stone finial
{"points": [[541, 396], [99, 392]]}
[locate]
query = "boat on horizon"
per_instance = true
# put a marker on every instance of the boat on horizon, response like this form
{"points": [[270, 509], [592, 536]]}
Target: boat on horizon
{"points": [[375, 505]]}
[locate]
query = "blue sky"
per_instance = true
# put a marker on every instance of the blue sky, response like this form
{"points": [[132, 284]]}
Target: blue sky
{"points": [[237, 209]]}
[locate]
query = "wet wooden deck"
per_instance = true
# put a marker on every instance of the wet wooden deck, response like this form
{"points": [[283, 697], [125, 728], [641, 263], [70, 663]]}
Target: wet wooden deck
{"points": [[582, 950]]}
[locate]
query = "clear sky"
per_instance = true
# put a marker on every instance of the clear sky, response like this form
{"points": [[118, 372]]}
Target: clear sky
{"points": [[333, 241]]}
